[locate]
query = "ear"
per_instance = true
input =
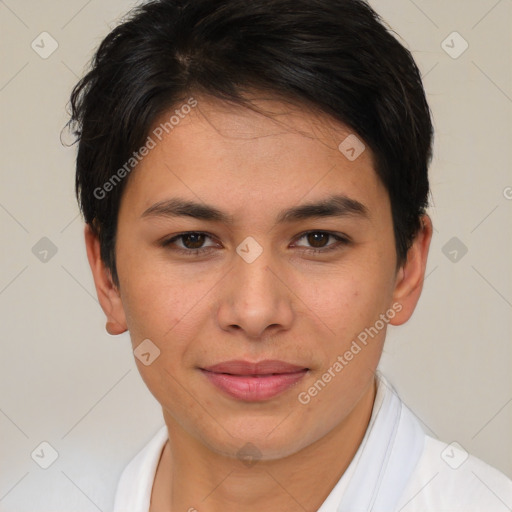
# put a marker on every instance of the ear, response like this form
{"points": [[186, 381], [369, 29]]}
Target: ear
{"points": [[108, 294], [410, 276]]}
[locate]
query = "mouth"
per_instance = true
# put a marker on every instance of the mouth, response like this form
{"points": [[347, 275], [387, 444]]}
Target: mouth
{"points": [[254, 382], [261, 368]]}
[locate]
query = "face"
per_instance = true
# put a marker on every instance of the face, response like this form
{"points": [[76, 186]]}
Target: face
{"points": [[244, 237]]}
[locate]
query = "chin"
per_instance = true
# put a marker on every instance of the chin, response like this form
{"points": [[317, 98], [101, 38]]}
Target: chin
{"points": [[252, 441]]}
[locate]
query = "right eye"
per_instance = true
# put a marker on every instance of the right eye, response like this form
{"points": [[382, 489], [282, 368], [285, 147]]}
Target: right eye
{"points": [[190, 243]]}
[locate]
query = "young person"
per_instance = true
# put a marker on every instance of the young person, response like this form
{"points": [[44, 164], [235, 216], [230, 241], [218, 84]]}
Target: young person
{"points": [[253, 177]]}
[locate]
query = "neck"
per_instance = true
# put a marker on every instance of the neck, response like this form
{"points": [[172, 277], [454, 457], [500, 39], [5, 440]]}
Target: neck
{"points": [[192, 477]]}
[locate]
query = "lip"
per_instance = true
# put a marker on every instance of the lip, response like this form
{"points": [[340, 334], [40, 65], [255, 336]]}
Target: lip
{"points": [[266, 367], [254, 382]]}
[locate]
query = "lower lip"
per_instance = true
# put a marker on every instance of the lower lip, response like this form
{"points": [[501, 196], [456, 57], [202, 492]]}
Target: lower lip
{"points": [[254, 389]]}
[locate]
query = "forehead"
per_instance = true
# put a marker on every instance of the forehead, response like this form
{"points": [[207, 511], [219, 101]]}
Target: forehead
{"points": [[282, 153]]}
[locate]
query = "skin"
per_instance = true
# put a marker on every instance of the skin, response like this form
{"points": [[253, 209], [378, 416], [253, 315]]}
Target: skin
{"points": [[289, 304]]}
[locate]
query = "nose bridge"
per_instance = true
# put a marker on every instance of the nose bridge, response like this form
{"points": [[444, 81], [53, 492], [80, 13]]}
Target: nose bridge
{"points": [[254, 298], [253, 282]]}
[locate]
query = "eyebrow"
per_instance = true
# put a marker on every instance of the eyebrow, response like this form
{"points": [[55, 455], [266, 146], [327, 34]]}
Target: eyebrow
{"points": [[333, 206]]}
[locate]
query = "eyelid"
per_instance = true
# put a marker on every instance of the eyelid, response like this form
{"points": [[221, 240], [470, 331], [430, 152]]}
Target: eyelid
{"points": [[165, 241], [338, 236]]}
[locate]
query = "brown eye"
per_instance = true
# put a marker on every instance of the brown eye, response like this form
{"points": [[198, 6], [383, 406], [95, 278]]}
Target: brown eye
{"points": [[321, 241], [318, 239], [193, 240], [192, 243]]}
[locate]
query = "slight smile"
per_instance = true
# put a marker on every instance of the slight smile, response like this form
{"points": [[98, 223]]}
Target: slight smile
{"points": [[254, 382]]}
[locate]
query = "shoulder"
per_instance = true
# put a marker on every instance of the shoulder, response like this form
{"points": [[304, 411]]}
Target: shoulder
{"points": [[447, 478], [136, 482]]}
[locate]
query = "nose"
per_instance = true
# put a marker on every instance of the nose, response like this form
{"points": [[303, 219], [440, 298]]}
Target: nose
{"points": [[254, 298]]}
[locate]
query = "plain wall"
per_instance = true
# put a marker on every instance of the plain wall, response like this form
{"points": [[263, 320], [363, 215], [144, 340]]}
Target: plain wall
{"points": [[63, 380]]}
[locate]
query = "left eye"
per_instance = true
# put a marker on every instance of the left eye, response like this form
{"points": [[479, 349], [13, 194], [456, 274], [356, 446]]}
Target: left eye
{"points": [[318, 241]]}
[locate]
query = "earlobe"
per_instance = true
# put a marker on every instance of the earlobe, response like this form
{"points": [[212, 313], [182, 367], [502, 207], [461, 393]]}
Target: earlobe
{"points": [[410, 277], [108, 293]]}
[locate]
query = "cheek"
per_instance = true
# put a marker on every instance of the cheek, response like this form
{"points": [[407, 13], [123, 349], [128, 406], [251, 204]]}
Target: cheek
{"points": [[333, 299], [349, 296], [171, 310], [154, 307], [153, 298], [350, 306]]}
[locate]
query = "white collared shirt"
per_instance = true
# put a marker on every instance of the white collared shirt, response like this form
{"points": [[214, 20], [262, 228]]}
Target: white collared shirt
{"points": [[397, 468]]}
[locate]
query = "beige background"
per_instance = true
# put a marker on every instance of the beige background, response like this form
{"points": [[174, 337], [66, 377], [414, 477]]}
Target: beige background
{"points": [[63, 380]]}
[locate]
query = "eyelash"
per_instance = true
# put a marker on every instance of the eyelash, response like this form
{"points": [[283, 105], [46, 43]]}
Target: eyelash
{"points": [[340, 241]]}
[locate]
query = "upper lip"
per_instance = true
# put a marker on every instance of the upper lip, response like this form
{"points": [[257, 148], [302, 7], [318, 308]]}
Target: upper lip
{"points": [[266, 367]]}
